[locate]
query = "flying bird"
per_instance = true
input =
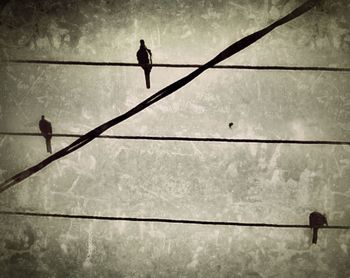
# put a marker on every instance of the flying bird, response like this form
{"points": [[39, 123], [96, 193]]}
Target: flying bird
{"points": [[316, 220], [144, 57], [46, 131], [230, 125]]}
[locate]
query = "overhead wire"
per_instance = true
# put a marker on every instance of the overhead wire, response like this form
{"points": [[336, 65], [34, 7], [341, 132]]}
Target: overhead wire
{"points": [[124, 64], [166, 220], [189, 139]]}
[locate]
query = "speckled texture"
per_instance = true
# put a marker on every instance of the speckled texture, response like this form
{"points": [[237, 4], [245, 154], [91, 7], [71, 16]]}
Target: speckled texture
{"points": [[207, 181]]}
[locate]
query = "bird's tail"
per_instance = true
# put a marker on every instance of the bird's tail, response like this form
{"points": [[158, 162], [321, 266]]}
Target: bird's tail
{"points": [[48, 145], [148, 81], [147, 70], [314, 235]]}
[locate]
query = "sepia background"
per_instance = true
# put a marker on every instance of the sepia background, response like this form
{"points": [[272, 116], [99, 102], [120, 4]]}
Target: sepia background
{"points": [[262, 183]]}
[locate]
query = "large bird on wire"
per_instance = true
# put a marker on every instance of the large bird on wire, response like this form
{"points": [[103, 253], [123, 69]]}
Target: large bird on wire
{"points": [[144, 57], [46, 131]]}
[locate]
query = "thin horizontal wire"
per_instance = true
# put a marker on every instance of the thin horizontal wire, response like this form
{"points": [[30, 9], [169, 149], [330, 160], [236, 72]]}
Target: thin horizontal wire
{"points": [[192, 139], [123, 64], [164, 220]]}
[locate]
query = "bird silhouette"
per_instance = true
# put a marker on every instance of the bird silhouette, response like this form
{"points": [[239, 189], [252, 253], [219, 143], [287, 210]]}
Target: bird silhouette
{"points": [[316, 220], [230, 125], [144, 57], [46, 131]]}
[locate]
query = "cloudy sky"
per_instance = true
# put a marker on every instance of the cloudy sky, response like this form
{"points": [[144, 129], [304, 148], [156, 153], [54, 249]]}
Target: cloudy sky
{"points": [[266, 183]]}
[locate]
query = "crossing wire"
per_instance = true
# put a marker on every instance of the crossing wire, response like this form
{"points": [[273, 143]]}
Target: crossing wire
{"points": [[164, 220], [123, 64], [191, 139], [168, 90]]}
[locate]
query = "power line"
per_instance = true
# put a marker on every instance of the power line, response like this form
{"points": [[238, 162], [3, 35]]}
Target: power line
{"points": [[191, 139], [123, 64], [168, 90], [165, 220]]}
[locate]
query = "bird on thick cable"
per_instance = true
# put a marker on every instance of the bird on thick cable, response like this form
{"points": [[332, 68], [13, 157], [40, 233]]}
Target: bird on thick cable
{"points": [[144, 57], [46, 131]]}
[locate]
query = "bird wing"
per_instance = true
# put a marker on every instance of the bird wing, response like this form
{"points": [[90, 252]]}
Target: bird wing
{"points": [[45, 126], [49, 127], [139, 56], [42, 126], [142, 56]]}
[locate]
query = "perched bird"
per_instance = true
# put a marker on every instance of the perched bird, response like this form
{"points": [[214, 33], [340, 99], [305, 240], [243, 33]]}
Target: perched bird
{"points": [[46, 131], [144, 57], [316, 220]]}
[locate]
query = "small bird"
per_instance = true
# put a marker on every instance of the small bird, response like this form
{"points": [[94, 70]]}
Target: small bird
{"points": [[144, 57], [230, 125], [316, 220], [46, 131]]}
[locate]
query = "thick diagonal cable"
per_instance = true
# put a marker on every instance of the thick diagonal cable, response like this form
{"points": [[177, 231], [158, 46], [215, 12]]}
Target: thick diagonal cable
{"points": [[165, 220], [88, 137]]}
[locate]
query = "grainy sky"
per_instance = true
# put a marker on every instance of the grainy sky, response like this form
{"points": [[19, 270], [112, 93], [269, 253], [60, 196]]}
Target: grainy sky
{"points": [[208, 181]]}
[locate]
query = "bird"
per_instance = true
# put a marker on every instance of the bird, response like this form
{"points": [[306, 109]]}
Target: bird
{"points": [[316, 220], [230, 125], [46, 131], [144, 58]]}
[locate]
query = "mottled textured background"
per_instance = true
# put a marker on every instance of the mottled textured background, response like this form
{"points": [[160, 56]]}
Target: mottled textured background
{"points": [[207, 181]]}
